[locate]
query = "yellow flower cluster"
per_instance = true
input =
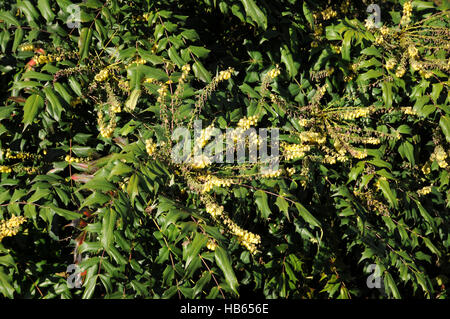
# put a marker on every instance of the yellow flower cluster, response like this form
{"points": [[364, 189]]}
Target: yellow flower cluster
{"points": [[379, 40], [274, 72], [115, 108], [371, 140], [408, 110], [105, 131], [162, 93], [391, 63], [102, 75], [407, 10], [30, 170], [359, 154], [200, 161], [426, 169], [354, 114], [144, 17], [124, 85], [328, 13], [336, 48], [246, 122], [43, 58], [384, 30], [224, 75], [27, 47], [424, 191], [312, 137], [295, 151], [370, 24], [149, 80], [19, 155], [426, 74], [270, 173], [137, 61], [246, 238], [185, 71], [5, 169], [11, 226], [150, 147], [440, 156], [211, 245], [304, 122], [290, 170], [413, 52], [214, 210], [400, 72], [205, 136], [71, 159], [210, 181]]}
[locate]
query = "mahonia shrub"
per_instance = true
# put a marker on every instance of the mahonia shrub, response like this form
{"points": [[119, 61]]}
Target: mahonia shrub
{"points": [[95, 95]]}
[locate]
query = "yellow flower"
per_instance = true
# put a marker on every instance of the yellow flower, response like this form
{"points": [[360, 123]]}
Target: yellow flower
{"points": [[102, 75], [211, 245], [390, 64], [5, 169], [150, 147], [384, 30], [424, 191], [270, 173], [245, 123], [214, 210], [400, 72], [274, 72], [413, 52], [290, 170], [11, 226]]}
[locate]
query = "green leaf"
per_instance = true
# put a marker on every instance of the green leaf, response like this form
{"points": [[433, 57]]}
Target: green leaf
{"points": [[132, 188], [9, 18], [389, 282], [308, 14], [67, 214], [307, 216], [5, 286], [261, 202], [406, 149], [252, 10], [283, 205], [224, 263], [175, 57], [200, 52], [54, 108], [200, 72], [98, 183], [288, 60], [18, 36], [387, 192], [424, 213], [387, 93], [444, 123], [84, 42], [33, 106], [347, 44], [46, 10], [38, 194], [130, 104], [152, 58], [90, 287], [194, 247], [108, 225]]}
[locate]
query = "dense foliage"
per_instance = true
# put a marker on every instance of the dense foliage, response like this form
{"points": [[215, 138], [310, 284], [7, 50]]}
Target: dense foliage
{"points": [[93, 94]]}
